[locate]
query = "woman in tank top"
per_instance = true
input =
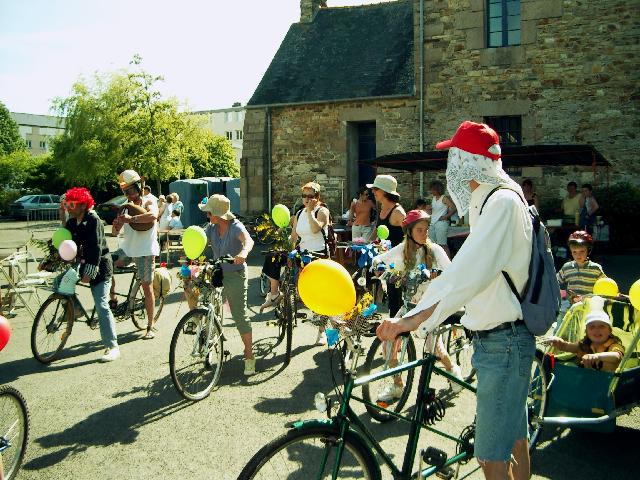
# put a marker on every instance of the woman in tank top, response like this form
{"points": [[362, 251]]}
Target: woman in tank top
{"points": [[360, 216], [391, 215]]}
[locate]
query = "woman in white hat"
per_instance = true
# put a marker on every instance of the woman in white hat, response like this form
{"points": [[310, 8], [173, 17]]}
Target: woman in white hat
{"points": [[228, 236], [391, 216]]}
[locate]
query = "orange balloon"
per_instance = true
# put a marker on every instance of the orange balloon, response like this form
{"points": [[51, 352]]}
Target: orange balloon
{"points": [[326, 288]]}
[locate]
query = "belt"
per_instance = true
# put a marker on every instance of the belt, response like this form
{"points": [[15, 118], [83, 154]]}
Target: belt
{"points": [[502, 326]]}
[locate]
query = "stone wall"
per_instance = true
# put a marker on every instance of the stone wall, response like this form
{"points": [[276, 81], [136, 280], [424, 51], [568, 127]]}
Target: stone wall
{"points": [[310, 143], [574, 79]]}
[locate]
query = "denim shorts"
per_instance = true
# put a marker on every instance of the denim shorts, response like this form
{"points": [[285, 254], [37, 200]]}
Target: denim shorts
{"points": [[503, 361]]}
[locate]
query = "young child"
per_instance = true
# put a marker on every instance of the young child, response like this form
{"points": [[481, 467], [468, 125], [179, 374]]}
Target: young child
{"points": [[175, 221], [416, 248], [599, 348], [578, 276]]}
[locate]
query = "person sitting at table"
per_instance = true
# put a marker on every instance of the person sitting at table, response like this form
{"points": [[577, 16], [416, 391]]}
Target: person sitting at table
{"points": [[175, 222], [571, 204]]}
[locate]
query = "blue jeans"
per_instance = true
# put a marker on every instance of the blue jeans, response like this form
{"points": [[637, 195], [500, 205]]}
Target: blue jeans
{"points": [[100, 293], [503, 361]]}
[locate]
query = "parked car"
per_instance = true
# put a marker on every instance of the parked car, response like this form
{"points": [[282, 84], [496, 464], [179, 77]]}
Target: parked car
{"points": [[36, 207], [108, 210]]}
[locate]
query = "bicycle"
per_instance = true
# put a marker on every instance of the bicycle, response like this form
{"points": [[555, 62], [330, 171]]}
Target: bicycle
{"points": [[341, 446], [197, 350], [48, 337], [14, 431], [362, 278], [384, 355]]}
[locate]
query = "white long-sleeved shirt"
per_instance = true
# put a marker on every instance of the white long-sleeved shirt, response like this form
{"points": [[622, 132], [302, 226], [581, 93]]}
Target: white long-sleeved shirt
{"points": [[499, 240]]}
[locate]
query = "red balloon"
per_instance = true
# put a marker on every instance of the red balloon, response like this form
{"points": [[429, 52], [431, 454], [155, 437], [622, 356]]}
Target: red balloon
{"points": [[5, 332]]}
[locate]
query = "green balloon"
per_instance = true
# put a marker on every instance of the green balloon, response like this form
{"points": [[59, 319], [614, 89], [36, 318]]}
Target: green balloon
{"points": [[280, 215], [59, 236], [383, 232], [194, 241]]}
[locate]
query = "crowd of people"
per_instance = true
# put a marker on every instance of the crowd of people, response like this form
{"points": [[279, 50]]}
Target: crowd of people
{"points": [[499, 241]]}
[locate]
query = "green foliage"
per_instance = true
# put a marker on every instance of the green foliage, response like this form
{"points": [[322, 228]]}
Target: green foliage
{"points": [[619, 208], [219, 159], [10, 139], [120, 121]]}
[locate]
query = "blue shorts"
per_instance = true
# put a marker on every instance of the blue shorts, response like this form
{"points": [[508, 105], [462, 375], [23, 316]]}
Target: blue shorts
{"points": [[503, 361]]}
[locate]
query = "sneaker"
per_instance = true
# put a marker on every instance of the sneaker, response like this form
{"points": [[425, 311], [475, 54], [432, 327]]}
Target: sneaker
{"points": [[249, 366], [110, 354], [390, 393], [149, 335], [456, 371], [270, 301], [321, 339]]}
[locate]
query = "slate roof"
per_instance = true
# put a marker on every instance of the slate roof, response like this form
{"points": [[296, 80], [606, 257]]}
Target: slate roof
{"points": [[346, 52]]}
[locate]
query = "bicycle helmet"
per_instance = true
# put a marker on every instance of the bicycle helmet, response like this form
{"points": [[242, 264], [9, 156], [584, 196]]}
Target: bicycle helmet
{"points": [[414, 216], [580, 238]]}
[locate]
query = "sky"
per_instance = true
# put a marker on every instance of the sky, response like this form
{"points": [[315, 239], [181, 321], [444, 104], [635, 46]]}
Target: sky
{"points": [[211, 53]]}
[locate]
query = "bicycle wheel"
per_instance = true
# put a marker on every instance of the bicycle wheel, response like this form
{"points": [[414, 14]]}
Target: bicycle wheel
{"points": [[195, 356], [387, 392], [265, 285], [290, 311], [537, 399], [52, 327], [310, 453], [14, 430], [137, 309], [460, 348]]}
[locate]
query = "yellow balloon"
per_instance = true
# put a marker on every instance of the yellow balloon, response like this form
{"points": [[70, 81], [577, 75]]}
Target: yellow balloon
{"points": [[634, 294], [194, 241], [326, 288], [606, 286]]}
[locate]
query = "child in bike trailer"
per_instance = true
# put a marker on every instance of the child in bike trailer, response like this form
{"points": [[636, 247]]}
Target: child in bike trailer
{"points": [[599, 349], [416, 248], [578, 276]]}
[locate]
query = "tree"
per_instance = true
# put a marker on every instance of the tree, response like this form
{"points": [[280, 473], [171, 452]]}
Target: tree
{"points": [[10, 139], [120, 121], [220, 158]]}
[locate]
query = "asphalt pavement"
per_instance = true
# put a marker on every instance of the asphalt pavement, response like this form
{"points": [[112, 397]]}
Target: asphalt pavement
{"points": [[126, 420]]}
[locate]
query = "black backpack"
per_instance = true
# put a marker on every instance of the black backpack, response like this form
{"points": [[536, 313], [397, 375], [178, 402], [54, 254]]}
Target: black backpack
{"points": [[540, 301], [330, 241]]}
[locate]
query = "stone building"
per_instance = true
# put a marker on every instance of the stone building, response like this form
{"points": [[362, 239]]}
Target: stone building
{"points": [[352, 83]]}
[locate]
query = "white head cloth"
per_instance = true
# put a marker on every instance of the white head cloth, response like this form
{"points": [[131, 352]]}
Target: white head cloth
{"points": [[462, 167]]}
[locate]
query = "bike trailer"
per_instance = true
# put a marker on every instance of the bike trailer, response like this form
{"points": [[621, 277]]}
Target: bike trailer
{"points": [[587, 398]]}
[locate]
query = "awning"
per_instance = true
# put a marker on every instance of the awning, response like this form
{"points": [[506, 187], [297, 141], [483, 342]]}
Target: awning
{"points": [[515, 156]]}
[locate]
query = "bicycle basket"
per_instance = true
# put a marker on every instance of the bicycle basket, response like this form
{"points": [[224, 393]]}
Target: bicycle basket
{"points": [[65, 283]]}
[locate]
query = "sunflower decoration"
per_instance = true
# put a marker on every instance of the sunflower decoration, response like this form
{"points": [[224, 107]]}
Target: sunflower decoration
{"points": [[269, 232]]}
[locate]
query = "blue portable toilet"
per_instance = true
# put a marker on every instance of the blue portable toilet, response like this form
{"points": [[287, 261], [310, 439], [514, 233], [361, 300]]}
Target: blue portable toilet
{"points": [[233, 194], [191, 192]]}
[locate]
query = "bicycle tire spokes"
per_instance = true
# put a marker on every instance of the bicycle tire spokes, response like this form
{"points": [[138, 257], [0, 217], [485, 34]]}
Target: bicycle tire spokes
{"points": [[14, 430]]}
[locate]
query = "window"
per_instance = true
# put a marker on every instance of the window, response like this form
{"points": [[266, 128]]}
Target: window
{"points": [[238, 134], [509, 129], [28, 143], [43, 144], [229, 135], [503, 23]]}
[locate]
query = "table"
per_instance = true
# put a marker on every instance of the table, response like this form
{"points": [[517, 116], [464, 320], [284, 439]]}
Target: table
{"points": [[172, 242]]}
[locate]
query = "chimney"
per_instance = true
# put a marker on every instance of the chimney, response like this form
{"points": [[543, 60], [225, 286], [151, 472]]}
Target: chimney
{"points": [[309, 8]]}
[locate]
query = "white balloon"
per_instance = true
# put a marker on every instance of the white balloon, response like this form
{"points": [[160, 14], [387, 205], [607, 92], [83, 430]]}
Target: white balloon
{"points": [[68, 250]]}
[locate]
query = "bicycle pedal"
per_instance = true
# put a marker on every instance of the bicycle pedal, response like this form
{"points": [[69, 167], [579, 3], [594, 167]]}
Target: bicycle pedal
{"points": [[302, 315], [434, 456], [446, 473]]}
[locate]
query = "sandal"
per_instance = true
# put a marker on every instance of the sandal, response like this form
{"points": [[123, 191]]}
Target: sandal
{"points": [[149, 335]]}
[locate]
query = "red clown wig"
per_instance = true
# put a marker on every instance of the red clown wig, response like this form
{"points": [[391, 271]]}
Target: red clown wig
{"points": [[79, 195]]}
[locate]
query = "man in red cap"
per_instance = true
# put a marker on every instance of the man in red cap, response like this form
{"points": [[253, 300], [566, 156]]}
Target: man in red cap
{"points": [[499, 241]]}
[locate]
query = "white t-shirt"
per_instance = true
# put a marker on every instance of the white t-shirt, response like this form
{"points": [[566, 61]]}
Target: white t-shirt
{"points": [[145, 243], [438, 209]]}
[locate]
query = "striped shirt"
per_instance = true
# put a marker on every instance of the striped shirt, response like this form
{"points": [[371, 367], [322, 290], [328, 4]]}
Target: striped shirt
{"points": [[580, 279]]}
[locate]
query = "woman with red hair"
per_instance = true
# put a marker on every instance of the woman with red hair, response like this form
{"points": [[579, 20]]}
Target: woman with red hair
{"points": [[96, 267]]}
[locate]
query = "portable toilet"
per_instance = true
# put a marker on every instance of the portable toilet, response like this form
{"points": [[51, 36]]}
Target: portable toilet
{"points": [[214, 185], [233, 194], [191, 192]]}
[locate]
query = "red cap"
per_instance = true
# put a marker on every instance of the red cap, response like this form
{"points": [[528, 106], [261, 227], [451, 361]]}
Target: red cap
{"points": [[476, 138], [414, 216]]}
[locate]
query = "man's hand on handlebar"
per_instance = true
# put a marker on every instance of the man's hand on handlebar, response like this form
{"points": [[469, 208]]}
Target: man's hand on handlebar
{"points": [[389, 329]]}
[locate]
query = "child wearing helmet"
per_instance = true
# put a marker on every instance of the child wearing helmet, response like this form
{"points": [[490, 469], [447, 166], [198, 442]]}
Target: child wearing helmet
{"points": [[416, 248], [599, 349], [579, 275]]}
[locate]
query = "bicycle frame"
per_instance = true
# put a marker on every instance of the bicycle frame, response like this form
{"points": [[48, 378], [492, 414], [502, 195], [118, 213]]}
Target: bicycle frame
{"points": [[213, 306], [347, 420]]}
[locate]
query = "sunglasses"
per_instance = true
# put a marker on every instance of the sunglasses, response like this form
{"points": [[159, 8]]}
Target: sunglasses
{"points": [[304, 195], [129, 191], [70, 205]]}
